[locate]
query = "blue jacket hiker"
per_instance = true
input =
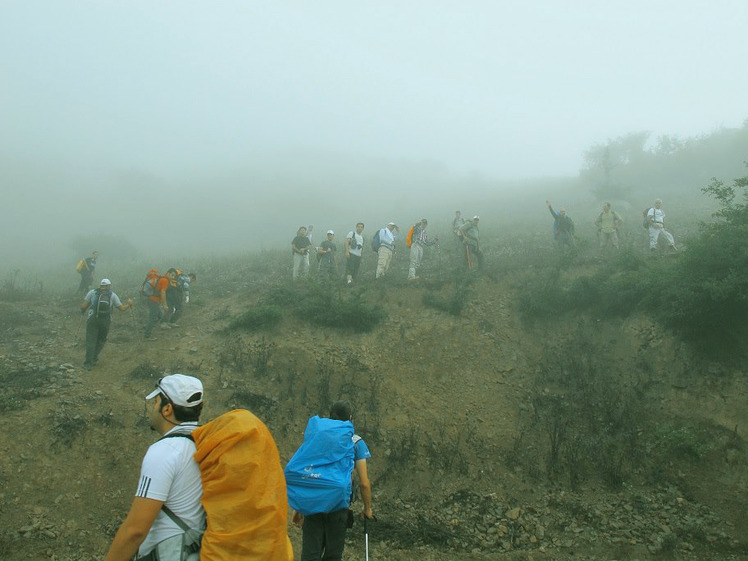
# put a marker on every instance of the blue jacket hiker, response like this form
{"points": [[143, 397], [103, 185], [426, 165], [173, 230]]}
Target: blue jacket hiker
{"points": [[319, 483]]}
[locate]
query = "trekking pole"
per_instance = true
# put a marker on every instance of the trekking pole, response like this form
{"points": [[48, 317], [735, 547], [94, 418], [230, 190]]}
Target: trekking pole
{"points": [[469, 261], [366, 539]]}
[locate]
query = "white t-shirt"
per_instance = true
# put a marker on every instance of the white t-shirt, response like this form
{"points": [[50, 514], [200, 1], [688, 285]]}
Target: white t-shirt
{"points": [[357, 243], [169, 473], [657, 215]]}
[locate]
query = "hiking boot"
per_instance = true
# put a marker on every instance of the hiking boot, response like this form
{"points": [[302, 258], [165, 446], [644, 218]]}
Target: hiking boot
{"points": [[87, 366], [173, 324], [165, 326]]}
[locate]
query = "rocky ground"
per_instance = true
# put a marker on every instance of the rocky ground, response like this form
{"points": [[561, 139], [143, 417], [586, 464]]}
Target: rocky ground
{"points": [[440, 399]]}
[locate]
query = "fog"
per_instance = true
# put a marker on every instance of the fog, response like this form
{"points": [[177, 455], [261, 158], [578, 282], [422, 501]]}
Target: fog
{"points": [[208, 126]]}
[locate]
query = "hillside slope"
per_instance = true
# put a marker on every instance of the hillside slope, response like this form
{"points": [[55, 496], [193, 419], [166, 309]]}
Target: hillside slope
{"points": [[453, 408]]}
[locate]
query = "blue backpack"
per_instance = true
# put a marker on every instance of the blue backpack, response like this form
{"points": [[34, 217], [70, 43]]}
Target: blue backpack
{"points": [[376, 242], [318, 476]]}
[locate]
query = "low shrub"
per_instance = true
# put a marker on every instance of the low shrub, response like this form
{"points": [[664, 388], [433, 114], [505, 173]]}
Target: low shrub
{"points": [[329, 309], [457, 300], [258, 317]]}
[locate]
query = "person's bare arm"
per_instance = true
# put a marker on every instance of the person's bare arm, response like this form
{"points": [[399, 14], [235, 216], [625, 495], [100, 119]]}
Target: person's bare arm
{"points": [[134, 529], [364, 487]]}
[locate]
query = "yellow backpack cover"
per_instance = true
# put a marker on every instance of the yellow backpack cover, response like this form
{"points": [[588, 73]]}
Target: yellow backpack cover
{"points": [[244, 490]]}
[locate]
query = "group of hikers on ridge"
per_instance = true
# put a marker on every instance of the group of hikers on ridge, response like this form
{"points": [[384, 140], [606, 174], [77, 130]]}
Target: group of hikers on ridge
{"points": [[218, 491], [466, 233], [608, 224], [165, 297], [467, 244]]}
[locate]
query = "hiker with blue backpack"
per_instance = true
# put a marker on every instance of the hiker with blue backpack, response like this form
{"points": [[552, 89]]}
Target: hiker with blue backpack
{"points": [[384, 245], [320, 485], [99, 303]]}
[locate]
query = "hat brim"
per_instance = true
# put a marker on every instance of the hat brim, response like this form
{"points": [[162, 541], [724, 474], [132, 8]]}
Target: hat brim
{"points": [[153, 394]]}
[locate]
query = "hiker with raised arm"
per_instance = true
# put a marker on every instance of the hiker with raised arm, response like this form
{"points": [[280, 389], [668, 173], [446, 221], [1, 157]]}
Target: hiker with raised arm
{"points": [[656, 220], [99, 303], [416, 241], [319, 482], [85, 269], [470, 236], [300, 247], [563, 227], [384, 244], [608, 223], [166, 518], [354, 252]]}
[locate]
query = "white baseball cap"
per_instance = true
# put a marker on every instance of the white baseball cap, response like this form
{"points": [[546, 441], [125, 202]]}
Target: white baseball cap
{"points": [[106, 282], [330, 232], [183, 390]]}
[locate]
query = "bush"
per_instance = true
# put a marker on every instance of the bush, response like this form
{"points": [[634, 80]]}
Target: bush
{"points": [[705, 296], [590, 416], [702, 296], [457, 301], [259, 317], [326, 307]]}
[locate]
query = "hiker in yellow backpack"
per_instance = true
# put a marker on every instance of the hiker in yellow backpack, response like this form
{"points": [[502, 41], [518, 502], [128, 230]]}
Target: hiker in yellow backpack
{"points": [[166, 518], [416, 241], [85, 269]]}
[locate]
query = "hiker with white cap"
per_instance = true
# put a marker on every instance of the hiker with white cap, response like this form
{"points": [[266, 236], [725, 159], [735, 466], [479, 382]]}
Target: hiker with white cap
{"points": [[328, 262], [99, 303], [386, 248], [166, 518]]}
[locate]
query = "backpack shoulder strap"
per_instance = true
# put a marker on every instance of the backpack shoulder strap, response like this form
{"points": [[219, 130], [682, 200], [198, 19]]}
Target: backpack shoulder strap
{"points": [[177, 434], [167, 511], [178, 521]]}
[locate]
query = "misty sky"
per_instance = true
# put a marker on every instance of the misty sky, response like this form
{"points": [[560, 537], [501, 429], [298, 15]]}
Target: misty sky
{"points": [[139, 99], [503, 88]]}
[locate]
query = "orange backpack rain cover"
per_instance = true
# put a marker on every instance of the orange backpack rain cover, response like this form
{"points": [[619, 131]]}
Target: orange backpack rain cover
{"points": [[244, 490]]}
